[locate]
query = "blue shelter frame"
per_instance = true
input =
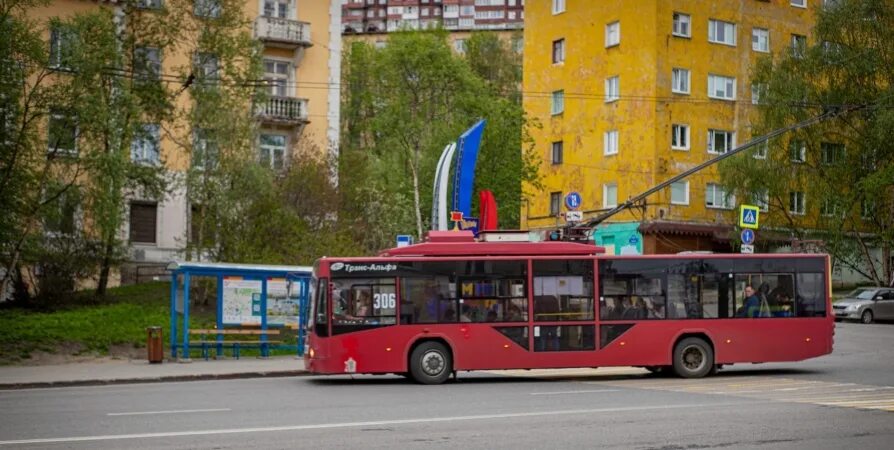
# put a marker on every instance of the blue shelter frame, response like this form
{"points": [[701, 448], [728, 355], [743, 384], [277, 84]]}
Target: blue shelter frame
{"points": [[298, 276]]}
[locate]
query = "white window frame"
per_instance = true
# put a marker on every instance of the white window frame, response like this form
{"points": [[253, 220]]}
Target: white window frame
{"points": [[680, 130], [270, 150], [729, 141], [278, 80], [207, 8], [760, 40], [762, 200], [727, 201], [557, 103], [610, 143], [62, 151], [794, 206], [729, 87], [799, 3], [558, 51], [680, 80], [867, 208], [757, 89], [146, 148], [714, 25], [152, 66], [685, 186], [279, 7], [558, 6], [201, 143], [605, 190], [798, 49], [612, 89], [678, 26], [802, 151], [829, 208], [555, 203], [613, 34], [761, 150]]}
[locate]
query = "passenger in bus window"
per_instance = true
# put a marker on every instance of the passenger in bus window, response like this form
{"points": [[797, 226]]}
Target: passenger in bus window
{"points": [[491, 316], [783, 305], [752, 305], [449, 315], [514, 314], [652, 311], [364, 305], [466, 315]]}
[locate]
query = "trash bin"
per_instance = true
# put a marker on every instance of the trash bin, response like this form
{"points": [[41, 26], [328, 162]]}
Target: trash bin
{"points": [[154, 345]]}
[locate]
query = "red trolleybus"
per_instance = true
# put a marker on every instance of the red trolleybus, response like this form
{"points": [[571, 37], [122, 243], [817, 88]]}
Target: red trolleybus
{"points": [[451, 304]]}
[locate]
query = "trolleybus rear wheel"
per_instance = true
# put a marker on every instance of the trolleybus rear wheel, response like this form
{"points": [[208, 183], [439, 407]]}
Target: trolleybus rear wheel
{"points": [[431, 363], [693, 358]]}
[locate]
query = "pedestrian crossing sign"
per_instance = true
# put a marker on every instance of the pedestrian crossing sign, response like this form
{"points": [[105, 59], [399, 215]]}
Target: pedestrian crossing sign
{"points": [[749, 216]]}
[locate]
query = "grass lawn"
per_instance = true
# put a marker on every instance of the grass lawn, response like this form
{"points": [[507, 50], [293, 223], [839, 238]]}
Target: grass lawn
{"points": [[84, 326]]}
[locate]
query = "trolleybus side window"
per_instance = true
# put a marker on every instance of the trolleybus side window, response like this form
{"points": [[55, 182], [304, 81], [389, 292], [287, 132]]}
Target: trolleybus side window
{"points": [[811, 298], [362, 303], [318, 307], [631, 289], [563, 290]]}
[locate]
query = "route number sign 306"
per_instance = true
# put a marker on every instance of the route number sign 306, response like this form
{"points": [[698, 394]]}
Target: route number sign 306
{"points": [[385, 301]]}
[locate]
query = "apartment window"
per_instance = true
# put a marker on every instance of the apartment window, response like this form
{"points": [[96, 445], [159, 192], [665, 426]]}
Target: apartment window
{"points": [[61, 46], [799, 45], [559, 51], [62, 134], [680, 81], [761, 150], [796, 202], [613, 34], [721, 87], [762, 199], [612, 89], [799, 3], [143, 219], [757, 91], [459, 45], [277, 75], [205, 153], [680, 193], [207, 8], [273, 151], [717, 197], [760, 40], [558, 6], [721, 32], [558, 149], [144, 149], [147, 62], [555, 203], [832, 154], [207, 68], [680, 137], [609, 195], [558, 102], [829, 208], [277, 8], [720, 141], [149, 4], [798, 151], [62, 212], [867, 209], [610, 142], [682, 25]]}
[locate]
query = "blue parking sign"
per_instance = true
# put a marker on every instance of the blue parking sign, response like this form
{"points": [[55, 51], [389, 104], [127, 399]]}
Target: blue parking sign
{"points": [[573, 200]]}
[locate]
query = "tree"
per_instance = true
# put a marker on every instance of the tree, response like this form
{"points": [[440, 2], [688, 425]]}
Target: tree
{"points": [[833, 181], [405, 102]]}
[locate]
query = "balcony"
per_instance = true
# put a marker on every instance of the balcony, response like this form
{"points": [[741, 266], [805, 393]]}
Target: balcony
{"points": [[283, 33], [283, 111]]}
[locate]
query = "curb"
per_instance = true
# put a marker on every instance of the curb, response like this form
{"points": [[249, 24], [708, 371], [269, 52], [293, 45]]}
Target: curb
{"points": [[146, 380]]}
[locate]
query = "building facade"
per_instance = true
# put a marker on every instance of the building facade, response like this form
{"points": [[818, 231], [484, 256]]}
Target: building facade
{"points": [[301, 45], [376, 16], [632, 93]]}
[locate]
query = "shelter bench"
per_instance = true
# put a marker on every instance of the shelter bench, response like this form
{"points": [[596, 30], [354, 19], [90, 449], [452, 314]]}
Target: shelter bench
{"points": [[208, 341]]}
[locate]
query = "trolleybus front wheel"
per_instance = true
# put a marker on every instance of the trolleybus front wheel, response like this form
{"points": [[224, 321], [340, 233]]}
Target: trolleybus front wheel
{"points": [[693, 358], [431, 363]]}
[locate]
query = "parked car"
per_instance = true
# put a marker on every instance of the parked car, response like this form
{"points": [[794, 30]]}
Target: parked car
{"points": [[866, 305]]}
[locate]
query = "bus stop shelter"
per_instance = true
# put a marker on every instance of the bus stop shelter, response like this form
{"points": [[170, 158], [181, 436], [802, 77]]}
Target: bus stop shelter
{"points": [[258, 296]]}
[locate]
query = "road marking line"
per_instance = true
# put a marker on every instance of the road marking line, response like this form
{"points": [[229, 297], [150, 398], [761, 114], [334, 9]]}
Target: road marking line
{"points": [[181, 411], [365, 424], [575, 392]]}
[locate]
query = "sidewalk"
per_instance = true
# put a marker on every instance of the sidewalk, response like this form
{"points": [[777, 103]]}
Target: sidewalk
{"points": [[140, 371]]}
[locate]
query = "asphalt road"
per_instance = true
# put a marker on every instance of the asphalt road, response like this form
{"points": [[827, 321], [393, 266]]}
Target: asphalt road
{"points": [[843, 400]]}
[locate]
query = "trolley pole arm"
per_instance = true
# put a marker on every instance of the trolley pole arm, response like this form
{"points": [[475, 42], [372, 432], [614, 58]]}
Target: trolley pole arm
{"points": [[632, 201]]}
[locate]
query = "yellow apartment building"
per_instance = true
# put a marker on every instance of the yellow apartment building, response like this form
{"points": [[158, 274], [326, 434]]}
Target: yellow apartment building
{"points": [[631, 93], [301, 42]]}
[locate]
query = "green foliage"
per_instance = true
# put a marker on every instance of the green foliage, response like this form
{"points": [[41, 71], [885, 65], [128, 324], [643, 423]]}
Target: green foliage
{"points": [[403, 104], [849, 193]]}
